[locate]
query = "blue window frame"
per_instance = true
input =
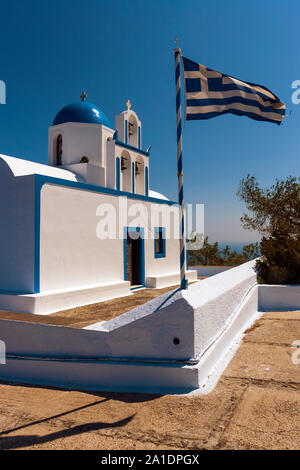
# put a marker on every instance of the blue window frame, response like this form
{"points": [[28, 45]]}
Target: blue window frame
{"points": [[159, 242]]}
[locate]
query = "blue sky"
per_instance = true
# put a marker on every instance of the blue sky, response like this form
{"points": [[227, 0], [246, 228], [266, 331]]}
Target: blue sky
{"points": [[52, 50]]}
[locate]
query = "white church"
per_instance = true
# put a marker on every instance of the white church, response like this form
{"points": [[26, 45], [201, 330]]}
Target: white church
{"points": [[86, 228], [53, 255]]}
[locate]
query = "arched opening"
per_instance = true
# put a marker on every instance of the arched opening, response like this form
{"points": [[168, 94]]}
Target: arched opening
{"points": [[59, 144], [132, 131], [126, 171], [118, 173], [140, 175]]}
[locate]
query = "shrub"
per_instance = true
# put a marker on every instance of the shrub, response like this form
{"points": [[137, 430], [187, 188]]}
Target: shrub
{"points": [[280, 262]]}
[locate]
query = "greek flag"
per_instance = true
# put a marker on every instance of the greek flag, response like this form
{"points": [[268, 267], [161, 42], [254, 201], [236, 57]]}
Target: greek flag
{"points": [[209, 94]]}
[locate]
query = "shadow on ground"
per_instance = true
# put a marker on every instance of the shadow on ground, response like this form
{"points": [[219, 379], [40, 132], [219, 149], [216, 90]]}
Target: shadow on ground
{"points": [[16, 442]]}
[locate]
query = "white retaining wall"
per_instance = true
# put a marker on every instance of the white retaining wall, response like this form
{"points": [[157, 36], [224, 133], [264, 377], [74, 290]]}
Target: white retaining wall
{"points": [[136, 351], [276, 298], [207, 271]]}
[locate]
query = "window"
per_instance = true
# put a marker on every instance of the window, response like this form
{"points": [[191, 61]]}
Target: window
{"points": [[159, 242], [59, 142], [132, 132]]}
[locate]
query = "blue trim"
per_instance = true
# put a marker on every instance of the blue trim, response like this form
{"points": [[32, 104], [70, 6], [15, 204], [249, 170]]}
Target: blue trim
{"points": [[130, 147], [133, 177], [36, 288], [126, 131], [163, 232], [146, 181], [187, 256], [43, 179], [139, 144], [142, 248], [136, 288], [125, 253], [118, 174]]}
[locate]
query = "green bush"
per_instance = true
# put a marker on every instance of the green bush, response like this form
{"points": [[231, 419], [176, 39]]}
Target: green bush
{"points": [[280, 261], [210, 254], [274, 213]]}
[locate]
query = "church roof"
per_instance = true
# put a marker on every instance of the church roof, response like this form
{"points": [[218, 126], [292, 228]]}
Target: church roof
{"points": [[82, 111], [20, 167]]}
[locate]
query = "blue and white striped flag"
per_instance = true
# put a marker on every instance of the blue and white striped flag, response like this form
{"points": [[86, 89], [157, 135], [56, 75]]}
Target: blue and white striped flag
{"points": [[209, 94]]}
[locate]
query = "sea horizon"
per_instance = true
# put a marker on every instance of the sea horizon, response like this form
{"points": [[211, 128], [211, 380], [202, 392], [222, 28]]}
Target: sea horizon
{"points": [[234, 246]]}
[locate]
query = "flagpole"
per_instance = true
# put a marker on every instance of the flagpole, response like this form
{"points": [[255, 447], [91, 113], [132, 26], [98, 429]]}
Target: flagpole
{"points": [[183, 280]]}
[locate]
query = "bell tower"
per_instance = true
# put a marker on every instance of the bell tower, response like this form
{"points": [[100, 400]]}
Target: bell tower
{"points": [[78, 141], [129, 127]]}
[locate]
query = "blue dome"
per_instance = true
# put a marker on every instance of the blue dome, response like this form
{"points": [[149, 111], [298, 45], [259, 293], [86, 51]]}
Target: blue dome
{"points": [[82, 111]]}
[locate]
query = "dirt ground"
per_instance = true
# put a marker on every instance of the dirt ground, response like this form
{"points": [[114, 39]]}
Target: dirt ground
{"points": [[255, 405], [80, 317]]}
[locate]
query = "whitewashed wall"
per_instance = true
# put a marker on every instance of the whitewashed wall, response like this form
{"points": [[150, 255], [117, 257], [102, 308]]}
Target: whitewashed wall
{"points": [[71, 254], [79, 140], [17, 233]]}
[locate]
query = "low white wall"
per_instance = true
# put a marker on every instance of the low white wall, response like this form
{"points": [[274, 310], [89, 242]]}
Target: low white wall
{"points": [[276, 298], [125, 377], [195, 316], [137, 350], [215, 301], [159, 282], [215, 358], [207, 271]]}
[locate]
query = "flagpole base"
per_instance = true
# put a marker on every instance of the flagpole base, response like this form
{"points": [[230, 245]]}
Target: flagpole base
{"points": [[184, 284]]}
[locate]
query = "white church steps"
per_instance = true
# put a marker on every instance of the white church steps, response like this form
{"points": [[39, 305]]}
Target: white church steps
{"points": [[164, 280], [50, 302]]}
